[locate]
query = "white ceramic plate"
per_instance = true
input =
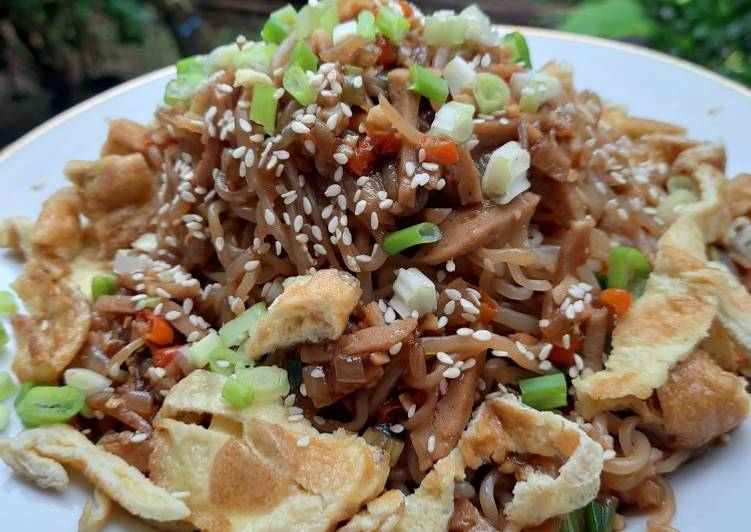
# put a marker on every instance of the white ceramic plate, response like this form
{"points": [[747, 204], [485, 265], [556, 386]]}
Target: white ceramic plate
{"points": [[709, 491]]}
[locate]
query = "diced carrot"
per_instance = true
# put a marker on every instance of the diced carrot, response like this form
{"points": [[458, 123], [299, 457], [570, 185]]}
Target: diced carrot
{"points": [[618, 299], [437, 150], [160, 332], [389, 52], [560, 356], [389, 145], [488, 308], [163, 357], [360, 162]]}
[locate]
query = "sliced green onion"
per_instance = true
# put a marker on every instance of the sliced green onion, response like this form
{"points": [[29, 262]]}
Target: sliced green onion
{"points": [[199, 352], [268, 382], [223, 360], [221, 58], [235, 331], [344, 31], [540, 89], [263, 106], [454, 120], [8, 303], [330, 16], [428, 84], [479, 28], [296, 83], [545, 392], [681, 182], [392, 24], [517, 44], [445, 29], [181, 89], [491, 92], [44, 405], [248, 77], [572, 522], [3, 336], [4, 417], [191, 65], [103, 285], [7, 386], [275, 31], [23, 390], [667, 208], [413, 293], [89, 382], [458, 74], [294, 373], [628, 269], [255, 56], [286, 14], [323, 15], [237, 393], [422, 233], [303, 57], [505, 176], [599, 515], [366, 25]]}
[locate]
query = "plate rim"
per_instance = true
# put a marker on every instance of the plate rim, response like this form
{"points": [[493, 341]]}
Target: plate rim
{"points": [[15, 146]]}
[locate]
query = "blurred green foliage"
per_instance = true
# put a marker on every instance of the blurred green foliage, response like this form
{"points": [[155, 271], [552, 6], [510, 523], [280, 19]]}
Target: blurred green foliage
{"points": [[714, 33]]}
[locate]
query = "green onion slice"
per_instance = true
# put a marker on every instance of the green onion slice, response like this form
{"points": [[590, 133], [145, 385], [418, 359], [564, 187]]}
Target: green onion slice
{"points": [[572, 522], [454, 120], [422, 233], [235, 331], [44, 405], [545, 392], [366, 25], [275, 31], [286, 14], [392, 24], [255, 56], [445, 30], [296, 83], [263, 106], [191, 65], [4, 417], [103, 285], [628, 269], [181, 89], [23, 390], [516, 42], [199, 352], [491, 92], [8, 303], [303, 57], [223, 360], [237, 393], [433, 87], [599, 515], [268, 382], [7, 386]]}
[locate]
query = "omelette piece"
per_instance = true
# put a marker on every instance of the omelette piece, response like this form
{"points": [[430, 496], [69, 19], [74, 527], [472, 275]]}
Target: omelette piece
{"points": [[37, 455], [683, 296], [311, 308], [49, 338], [96, 512], [380, 515], [253, 469]]}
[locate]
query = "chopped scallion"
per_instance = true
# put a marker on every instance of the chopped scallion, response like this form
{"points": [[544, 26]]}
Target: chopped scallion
{"points": [[268, 382], [255, 56], [442, 29], [237, 393], [43, 405], [428, 84], [599, 515], [7, 386], [422, 233], [322, 15], [572, 522], [191, 65], [628, 269], [23, 390], [366, 25], [303, 57], [263, 107], [413, 292], [479, 28], [517, 44], [86, 380], [223, 360], [235, 331], [8, 303], [458, 74], [540, 89], [4, 417], [392, 24], [505, 175], [545, 392], [199, 352], [275, 31], [454, 120], [104, 284], [296, 83], [491, 92], [181, 89], [286, 14]]}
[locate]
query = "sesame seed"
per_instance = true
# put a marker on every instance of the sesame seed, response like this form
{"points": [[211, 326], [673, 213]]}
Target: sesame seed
{"points": [[173, 315], [482, 335], [299, 127], [386, 204], [139, 437], [573, 372], [289, 400], [187, 196], [268, 215], [442, 322], [295, 417], [307, 206], [464, 331], [397, 428], [609, 454], [244, 125], [499, 353], [193, 336], [411, 410], [332, 121], [251, 265], [374, 220], [239, 152], [161, 292], [444, 358], [338, 174], [578, 362], [158, 309], [304, 441], [394, 349], [298, 223], [545, 351], [431, 443], [340, 158], [332, 190], [450, 265], [180, 494], [319, 249], [317, 373], [578, 306], [409, 168], [310, 146], [545, 365], [341, 201], [360, 207], [544, 323], [453, 294], [449, 308], [570, 313], [566, 340]]}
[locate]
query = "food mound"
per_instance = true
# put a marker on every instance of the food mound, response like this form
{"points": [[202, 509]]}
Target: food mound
{"points": [[377, 272]]}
